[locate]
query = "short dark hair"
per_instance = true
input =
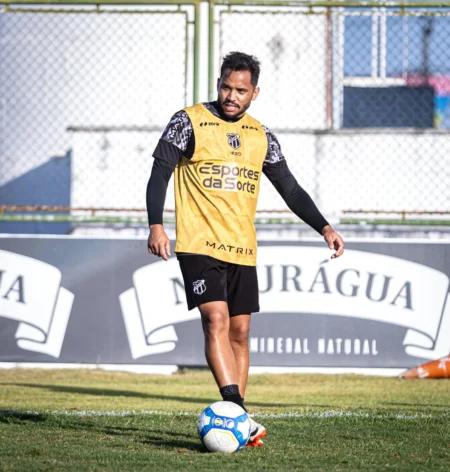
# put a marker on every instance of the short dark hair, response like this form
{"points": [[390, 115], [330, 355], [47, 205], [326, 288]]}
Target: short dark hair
{"points": [[241, 61]]}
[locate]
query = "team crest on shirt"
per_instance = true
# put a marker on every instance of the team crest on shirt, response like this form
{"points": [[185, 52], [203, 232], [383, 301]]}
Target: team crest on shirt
{"points": [[234, 140], [199, 287]]}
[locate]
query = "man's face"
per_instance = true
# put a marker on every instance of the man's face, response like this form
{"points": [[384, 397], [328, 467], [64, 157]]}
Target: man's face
{"points": [[235, 93]]}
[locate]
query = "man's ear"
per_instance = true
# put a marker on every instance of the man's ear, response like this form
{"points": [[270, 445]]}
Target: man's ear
{"points": [[218, 82], [255, 93]]}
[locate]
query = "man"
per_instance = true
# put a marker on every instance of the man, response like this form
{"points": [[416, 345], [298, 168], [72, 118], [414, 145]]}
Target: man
{"points": [[220, 152]]}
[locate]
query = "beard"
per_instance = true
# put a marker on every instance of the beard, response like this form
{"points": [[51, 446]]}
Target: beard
{"points": [[239, 111]]}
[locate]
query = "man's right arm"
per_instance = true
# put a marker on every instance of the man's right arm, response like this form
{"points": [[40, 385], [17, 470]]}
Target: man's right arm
{"points": [[173, 144], [157, 190]]}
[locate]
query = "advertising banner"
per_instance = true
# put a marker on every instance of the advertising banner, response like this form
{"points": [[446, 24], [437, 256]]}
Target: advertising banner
{"points": [[383, 304]]}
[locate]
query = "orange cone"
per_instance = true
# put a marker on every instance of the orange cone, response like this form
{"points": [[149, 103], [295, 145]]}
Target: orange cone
{"points": [[438, 369]]}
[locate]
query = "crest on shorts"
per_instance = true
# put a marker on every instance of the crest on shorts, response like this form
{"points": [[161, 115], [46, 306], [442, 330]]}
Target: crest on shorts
{"points": [[234, 140], [199, 287]]}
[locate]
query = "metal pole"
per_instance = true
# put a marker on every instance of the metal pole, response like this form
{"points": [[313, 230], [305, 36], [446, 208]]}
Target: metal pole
{"points": [[329, 70], [337, 66], [196, 50], [261, 3], [335, 3], [99, 2], [383, 43], [374, 62], [186, 61], [211, 44], [405, 48]]}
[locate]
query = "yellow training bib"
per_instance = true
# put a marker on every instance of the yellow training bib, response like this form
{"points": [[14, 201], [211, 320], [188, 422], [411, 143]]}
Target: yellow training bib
{"points": [[216, 191]]}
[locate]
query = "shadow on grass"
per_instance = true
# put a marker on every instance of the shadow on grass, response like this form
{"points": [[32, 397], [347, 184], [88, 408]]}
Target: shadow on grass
{"points": [[120, 431], [127, 393], [9, 416], [158, 438], [156, 441], [424, 406], [114, 393], [164, 439]]}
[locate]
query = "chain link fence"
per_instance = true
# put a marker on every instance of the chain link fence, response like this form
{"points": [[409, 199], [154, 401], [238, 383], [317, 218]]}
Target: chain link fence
{"points": [[85, 93], [359, 98]]}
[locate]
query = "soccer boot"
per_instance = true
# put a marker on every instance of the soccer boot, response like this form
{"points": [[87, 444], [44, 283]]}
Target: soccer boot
{"points": [[257, 431], [257, 443]]}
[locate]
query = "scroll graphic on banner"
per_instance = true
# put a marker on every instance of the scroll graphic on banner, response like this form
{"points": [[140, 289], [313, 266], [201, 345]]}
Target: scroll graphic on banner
{"points": [[153, 306], [293, 279], [31, 293]]}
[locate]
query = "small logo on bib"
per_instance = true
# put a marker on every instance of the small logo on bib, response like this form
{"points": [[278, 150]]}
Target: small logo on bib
{"points": [[199, 287], [234, 140]]}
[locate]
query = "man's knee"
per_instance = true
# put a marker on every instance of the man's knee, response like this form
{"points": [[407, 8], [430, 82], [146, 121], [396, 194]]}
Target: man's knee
{"points": [[239, 333], [215, 323]]}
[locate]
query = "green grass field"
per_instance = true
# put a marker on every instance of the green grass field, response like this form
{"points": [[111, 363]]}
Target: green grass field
{"points": [[95, 420]]}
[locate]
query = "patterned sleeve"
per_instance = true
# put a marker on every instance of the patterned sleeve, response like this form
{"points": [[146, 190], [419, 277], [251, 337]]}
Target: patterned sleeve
{"points": [[179, 131], [274, 153]]}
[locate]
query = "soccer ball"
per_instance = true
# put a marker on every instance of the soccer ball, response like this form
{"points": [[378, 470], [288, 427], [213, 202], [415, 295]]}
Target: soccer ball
{"points": [[224, 427]]}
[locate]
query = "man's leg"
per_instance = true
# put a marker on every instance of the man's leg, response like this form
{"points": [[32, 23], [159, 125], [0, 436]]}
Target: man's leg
{"points": [[239, 333], [238, 336], [218, 350]]}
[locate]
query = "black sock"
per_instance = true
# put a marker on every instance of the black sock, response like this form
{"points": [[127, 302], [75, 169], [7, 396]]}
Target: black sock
{"points": [[230, 393]]}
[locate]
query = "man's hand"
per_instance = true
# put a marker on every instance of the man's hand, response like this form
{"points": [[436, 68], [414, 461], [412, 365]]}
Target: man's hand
{"points": [[333, 240], [158, 242]]}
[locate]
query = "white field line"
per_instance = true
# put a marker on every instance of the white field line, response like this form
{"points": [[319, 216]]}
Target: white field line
{"points": [[317, 415]]}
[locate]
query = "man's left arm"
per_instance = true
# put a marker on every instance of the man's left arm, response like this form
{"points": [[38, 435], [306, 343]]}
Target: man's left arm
{"points": [[297, 199]]}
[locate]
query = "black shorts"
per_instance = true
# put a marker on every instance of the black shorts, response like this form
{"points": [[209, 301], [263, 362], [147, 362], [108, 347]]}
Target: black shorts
{"points": [[207, 279]]}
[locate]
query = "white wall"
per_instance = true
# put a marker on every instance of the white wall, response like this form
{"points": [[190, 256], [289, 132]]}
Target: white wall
{"points": [[384, 170], [61, 70]]}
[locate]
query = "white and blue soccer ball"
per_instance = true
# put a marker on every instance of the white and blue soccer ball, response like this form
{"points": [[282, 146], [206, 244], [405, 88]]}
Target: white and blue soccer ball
{"points": [[224, 427]]}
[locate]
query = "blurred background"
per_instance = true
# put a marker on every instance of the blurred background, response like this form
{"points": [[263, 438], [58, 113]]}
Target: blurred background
{"points": [[357, 93]]}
